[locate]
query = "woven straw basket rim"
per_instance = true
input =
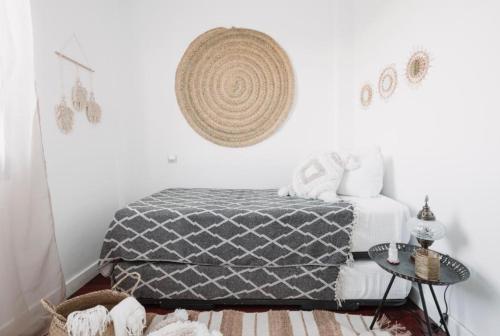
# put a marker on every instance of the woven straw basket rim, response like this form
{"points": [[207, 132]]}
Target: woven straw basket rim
{"points": [[107, 298], [234, 86]]}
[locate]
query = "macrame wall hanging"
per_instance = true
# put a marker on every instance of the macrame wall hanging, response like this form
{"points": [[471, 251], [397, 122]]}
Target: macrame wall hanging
{"points": [[93, 109], [64, 114], [81, 101]]}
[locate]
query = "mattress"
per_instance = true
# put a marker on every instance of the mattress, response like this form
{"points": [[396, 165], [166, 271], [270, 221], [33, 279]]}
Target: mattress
{"points": [[380, 220], [364, 280]]}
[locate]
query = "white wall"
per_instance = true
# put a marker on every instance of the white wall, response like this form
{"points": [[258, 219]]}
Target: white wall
{"points": [[162, 32], [442, 137], [86, 168], [135, 47]]}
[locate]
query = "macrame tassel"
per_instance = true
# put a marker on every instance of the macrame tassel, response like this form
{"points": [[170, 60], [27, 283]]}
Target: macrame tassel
{"points": [[79, 96], [90, 322], [135, 324], [339, 287], [93, 110], [394, 329], [129, 318], [160, 321], [185, 328], [64, 116]]}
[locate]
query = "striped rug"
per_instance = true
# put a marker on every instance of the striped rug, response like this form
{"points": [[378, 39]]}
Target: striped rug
{"points": [[294, 323]]}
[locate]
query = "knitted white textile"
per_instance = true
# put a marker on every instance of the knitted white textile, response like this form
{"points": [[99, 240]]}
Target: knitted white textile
{"points": [[90, 322]]}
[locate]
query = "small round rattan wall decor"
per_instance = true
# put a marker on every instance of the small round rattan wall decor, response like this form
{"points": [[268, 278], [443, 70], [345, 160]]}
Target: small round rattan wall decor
{"points": [[417, 67], [366, 95], [387, 82], [234, 86]]}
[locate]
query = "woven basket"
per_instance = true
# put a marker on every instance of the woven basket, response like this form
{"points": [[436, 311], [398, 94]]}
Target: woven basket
{"points": [[107, 298]]}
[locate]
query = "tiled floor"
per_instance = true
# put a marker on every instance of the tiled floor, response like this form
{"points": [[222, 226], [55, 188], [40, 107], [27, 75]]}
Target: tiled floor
{"points": [[408, 315]]}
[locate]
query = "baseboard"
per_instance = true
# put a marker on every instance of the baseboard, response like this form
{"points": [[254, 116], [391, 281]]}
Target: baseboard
{"points": [[79, 280], [454, 326]]}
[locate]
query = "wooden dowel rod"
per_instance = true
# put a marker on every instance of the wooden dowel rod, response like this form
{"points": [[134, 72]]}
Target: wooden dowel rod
{"points": [[73, 61]]}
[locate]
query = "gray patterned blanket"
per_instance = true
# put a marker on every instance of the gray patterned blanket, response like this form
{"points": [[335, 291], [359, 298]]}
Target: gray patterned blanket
{"points": [[194, 282], [228, 227]]}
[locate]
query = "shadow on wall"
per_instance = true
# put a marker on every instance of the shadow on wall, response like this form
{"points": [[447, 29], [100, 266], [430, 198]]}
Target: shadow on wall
{"points": [[389, 188], [456, 236], [478, 287]]}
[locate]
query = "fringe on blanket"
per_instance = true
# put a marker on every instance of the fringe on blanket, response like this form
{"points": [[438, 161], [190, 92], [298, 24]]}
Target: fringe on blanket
{"points": [[339, 283], [395, 329]]}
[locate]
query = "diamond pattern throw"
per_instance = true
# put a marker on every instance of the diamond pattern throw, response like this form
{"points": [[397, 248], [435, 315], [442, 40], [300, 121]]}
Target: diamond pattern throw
{"points": [[227, 227], [163, 281]]}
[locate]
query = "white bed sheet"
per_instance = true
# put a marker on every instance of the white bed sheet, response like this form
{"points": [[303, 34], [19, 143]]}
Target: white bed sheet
{"points": [[365, 280], [380, 220]]}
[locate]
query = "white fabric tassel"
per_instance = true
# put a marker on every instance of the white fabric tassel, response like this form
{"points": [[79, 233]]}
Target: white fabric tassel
{"points": [[181, 314], [90, 322], [386, 327], [129, 318], [285, 191], [160, 321], [185, 328]]}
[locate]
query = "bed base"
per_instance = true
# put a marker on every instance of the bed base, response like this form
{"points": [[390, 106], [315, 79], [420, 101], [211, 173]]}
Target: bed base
{"points": [[347, 305], [303, 304]]}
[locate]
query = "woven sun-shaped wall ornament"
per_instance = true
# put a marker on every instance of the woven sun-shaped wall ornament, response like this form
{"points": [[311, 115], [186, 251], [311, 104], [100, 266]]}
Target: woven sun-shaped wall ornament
{"points": [[388, 81], [417, 67], [366, 95]]}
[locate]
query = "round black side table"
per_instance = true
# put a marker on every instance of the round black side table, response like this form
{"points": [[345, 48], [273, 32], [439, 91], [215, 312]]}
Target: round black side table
{"points": [[451, 272]]}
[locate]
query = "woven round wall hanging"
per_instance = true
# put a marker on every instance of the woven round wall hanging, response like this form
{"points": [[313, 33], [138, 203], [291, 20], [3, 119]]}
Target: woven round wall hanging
{"points": [[417, 67], [387, 82], [366, 95], [234, 86]]}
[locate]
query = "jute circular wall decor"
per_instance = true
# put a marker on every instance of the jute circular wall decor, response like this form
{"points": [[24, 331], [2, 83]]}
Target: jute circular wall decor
{"points": [[366, 95], [387, 82], [417, 67], [234, 86]]}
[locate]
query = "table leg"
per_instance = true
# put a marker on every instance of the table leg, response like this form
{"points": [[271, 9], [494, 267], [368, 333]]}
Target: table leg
{"points": [[439, 310], [379, 308], [421, 291]]}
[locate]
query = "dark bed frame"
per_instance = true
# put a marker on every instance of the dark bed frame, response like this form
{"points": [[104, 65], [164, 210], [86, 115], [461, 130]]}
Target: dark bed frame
{"points": [[347, 305], [303, 304]]}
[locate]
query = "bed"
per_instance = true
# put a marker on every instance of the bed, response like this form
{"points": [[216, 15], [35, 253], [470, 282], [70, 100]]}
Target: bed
{"points": [[199, 247]]}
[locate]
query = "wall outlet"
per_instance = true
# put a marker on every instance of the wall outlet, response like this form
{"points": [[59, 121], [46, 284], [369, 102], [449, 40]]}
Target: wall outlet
{"points": [[172, 158]]}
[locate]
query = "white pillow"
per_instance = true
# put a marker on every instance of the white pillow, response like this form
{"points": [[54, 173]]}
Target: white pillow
{"points": [[319, 177], [366, 176]]}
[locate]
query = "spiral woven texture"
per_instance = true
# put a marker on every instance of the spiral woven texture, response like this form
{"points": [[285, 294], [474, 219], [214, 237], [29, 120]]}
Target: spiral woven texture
{"points": [[234, 86]]}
